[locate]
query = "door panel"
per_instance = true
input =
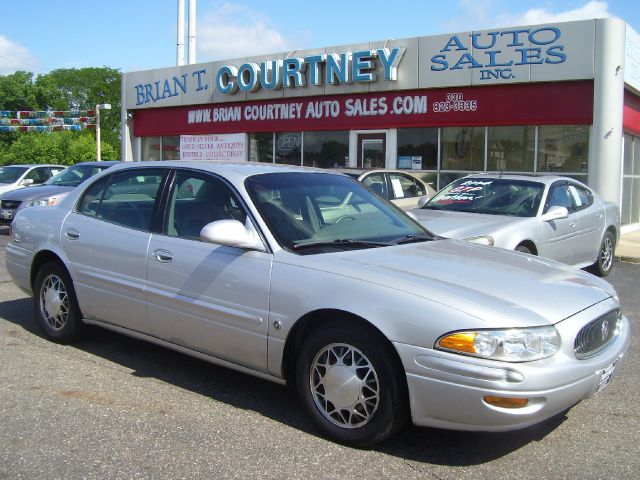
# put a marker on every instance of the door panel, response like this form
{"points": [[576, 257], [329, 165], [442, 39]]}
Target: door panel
{"points": [[108, 264], [106, 241], [210, 298], [559, 236]]}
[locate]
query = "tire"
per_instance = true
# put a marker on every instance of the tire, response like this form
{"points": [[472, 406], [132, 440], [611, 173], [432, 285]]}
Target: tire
{"points": [[524, 249], [604, 264], [369, 400], [55, 305]]}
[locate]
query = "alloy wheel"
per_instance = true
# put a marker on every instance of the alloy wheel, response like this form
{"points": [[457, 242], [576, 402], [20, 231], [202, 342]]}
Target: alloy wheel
{"points": [[344, 385], [54, 302]]}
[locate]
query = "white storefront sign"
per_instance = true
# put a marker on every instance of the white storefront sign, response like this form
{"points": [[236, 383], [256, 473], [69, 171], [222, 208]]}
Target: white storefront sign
{"points": [[229, 147]]}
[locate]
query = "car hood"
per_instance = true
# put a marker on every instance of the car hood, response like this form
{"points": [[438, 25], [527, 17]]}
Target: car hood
{"points": [[37, 191], [498, 287], [462, 224]]}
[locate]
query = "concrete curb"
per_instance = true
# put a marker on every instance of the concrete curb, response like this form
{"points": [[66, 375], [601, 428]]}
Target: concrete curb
{"points": [[624, 258]]}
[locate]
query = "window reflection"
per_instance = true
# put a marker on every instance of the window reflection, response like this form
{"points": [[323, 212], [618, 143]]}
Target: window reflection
{"points": [[563, 148], [511, 149], [326, 149], [463, 148]]}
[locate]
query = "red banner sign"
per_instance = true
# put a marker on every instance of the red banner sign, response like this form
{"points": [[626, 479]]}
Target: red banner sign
{"points": [[523, 104]]}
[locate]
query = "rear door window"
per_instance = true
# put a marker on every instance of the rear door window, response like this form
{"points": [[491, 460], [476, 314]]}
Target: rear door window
{"points": [[125, 198]]}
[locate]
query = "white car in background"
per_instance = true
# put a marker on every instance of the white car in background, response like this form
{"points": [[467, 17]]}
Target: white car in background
{"points": [[18, 176], [547, 215], [398, 186]]}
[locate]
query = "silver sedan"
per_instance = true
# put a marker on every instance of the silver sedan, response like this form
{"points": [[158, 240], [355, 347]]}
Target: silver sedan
{"points": [[550, 216], [374, 320]]}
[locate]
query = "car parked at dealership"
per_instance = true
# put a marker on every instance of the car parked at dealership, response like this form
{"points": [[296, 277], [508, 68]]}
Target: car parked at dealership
{"points": [[49, 192], [547, 215], [398, 186], [374, 319], [19, 176]]}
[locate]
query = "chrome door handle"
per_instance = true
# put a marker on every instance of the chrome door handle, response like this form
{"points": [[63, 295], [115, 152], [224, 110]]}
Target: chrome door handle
{"points": [[572, 224], [72, 234], [162, 256]]}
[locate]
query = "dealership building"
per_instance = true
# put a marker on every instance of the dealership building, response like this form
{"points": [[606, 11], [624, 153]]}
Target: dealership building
{"points": [[559, 98]]}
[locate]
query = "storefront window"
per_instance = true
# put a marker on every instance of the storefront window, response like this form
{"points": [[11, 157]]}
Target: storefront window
{"points": [[563, 148], [630, 207], [418, 148], [628, 155], [636, 156], [261, 147], [151, 148], [171, 148], [463, 148], [326, 149], [288, 148], [511, 149]]}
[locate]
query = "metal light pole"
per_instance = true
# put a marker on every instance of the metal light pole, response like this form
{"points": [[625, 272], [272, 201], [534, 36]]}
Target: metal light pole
{"points": [[103, 106]]}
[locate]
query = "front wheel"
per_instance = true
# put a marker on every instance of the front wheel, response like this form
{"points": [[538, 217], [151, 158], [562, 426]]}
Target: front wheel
{"points": [[604, 264], [55, 305], [349, 382], [523, 249]]}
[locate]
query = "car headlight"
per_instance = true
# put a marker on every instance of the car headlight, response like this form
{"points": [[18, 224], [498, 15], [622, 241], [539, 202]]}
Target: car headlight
{"points": [[509, 345], [481, 240], [42, 202]]}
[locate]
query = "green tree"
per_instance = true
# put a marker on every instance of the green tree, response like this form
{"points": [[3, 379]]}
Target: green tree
{"points": [[17, 92], [62, 148], [83, 89], [62, 89]]}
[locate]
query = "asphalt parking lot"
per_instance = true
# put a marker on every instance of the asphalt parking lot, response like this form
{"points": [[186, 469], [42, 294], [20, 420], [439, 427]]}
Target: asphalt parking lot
{"points": [[114, 407]]}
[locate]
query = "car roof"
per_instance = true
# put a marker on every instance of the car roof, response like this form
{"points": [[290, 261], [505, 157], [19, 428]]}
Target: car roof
{"points": [[96, 163], [240, 169], [542, 178], [31, 165]]}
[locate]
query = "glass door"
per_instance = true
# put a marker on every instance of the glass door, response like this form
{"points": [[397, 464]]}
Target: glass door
{"points": [[372, 150]]}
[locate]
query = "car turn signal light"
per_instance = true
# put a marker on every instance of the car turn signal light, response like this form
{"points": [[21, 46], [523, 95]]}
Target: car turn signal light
{"points": [[506, 402]]}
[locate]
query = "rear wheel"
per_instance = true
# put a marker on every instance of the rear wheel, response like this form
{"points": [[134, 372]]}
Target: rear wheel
{"points": [[55, 305], [349, 382], [604, 264]]}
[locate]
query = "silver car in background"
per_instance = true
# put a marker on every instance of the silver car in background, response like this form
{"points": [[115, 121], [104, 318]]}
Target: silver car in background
{"points": [[551, 216], [374, 320]]}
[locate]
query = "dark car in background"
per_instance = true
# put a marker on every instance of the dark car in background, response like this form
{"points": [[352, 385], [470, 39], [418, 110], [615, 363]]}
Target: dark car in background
{"points": [[50, 192]]}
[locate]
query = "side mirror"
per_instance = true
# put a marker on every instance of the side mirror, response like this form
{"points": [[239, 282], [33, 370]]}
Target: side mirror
{"points": [[422, 201], [231, 233], [27, 182], [555, 213]]}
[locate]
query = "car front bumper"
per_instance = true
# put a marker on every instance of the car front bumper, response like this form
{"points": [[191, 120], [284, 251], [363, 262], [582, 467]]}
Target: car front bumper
{"points": [[447, 390]]}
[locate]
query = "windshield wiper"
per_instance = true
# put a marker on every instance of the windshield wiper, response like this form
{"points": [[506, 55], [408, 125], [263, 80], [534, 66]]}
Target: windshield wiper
{"points": [[412, 239], [341, 243]]}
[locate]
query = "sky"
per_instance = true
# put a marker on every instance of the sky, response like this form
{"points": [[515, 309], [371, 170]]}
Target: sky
{"points": [[43, 35]]}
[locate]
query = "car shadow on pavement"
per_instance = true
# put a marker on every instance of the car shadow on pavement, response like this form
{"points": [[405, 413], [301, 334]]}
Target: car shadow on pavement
{"points": [[427, 445]]}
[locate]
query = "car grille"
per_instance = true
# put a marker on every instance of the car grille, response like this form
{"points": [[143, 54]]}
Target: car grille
{"points": [[9, 204], [596, 335]]}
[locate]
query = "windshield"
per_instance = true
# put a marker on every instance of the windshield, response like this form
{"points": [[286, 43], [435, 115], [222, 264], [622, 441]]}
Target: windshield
{"points": [[75, 175], [494, 196], [314, 213], [11, 174]]}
